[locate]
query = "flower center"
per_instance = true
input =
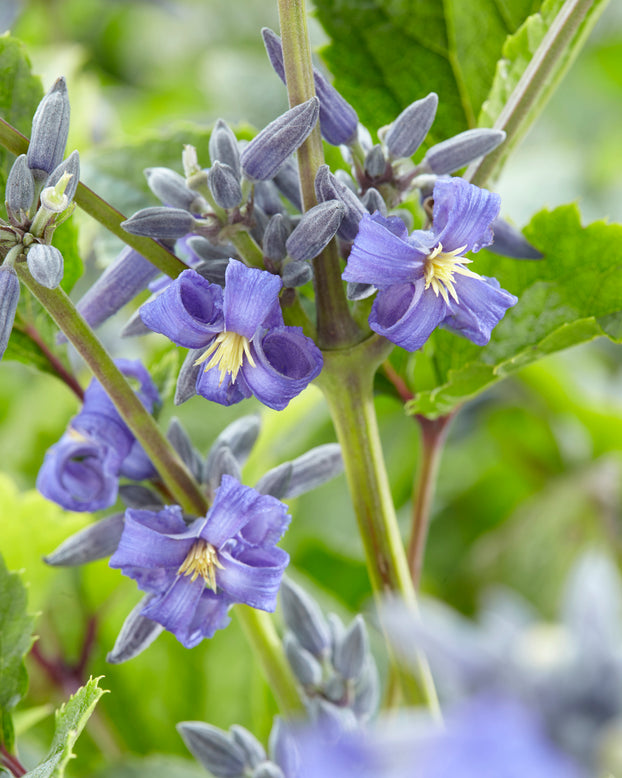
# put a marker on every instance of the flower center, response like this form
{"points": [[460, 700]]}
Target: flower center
{"points": [[202, 560], [439, 270], [227, 351]]}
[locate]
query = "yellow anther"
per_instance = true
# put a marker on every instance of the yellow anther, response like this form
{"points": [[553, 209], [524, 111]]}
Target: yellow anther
{"points": [[227, 351], [439, 270], [202, 560]]}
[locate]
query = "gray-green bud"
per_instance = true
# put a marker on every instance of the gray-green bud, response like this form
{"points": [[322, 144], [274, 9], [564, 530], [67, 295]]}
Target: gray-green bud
{"points": [[452, 154], [405, 134], [375, 162], [224, 185], [315, 230], [20, 191], [137, 633], [96, 541], [71, 167], [9, 296], [50, 127], [223, 147], [169, 187], [216, 750], [45, 264], [160, 222]]}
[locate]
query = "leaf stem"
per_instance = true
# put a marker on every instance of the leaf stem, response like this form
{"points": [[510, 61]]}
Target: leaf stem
{"points": [[11, 762]]}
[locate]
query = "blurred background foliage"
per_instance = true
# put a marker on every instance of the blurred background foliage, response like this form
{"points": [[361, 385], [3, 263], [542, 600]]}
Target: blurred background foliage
{"points": [[532, 469]]}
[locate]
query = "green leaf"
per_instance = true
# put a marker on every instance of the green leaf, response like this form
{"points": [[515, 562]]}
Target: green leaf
{"points": [[70, 721], [572, 296], [20, 93], [385, 54], [15, 642]]}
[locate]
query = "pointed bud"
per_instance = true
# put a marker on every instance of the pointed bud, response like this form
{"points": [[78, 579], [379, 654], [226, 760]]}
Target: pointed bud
{"points": [[404, 136], [367, 692], [135, 327], [70, 167], [214, 271], [169, 187], [160, 222], [20, 191], [328, 188], [187, 378], [332, 718], [216, 750], [255, 753], [206, 250], [295, 274], [316, 467], [358, 291], [510, 242], [136, 496], [335, 689], [240, 436], [287, 182], [275, 237], [50, 127], [352, 650], [276, 481], [179, 440], [374, 201], [45, 264], [267, 197], [223, 147], [9, 296], [304, 665], [375, 162], [337, 631], [452, 154], [315, 230], [265, 154], [304, 618], [221, 462], [96, 541], [224, 185], [137, 633]]}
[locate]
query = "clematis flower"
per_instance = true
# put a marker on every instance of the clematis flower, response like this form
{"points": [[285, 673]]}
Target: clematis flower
{"points": [[196, 572], [246, 347], [422, 279]]}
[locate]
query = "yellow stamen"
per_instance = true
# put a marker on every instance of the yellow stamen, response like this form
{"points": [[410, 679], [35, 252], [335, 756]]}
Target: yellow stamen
{"points": [[227, 351], [201, 560], [439, 270]]}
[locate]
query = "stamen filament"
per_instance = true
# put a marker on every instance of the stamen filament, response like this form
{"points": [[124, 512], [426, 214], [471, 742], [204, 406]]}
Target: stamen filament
{"points": [[227, 352], [201, 560], [439, 270]]}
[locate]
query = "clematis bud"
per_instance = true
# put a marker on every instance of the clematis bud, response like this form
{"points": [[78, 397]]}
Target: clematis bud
{"points": [[265, 154], [315, 230], [9, 296], [96, 541], [304, 618], [223, 147], [240, 436], [374, 201], [296, 274], [160, 222], [20, 191], [304, 665], [216, 750], [328, 188], [45, 264], [452, 154], [408, 131], [351, 651], [187, 379], [275, 237], [359, 291], [70, 167], [50, 127], [137, 633], [510, 242], [179, 440], [224, 185], [169, 187], [267, 197], [375, 162], [254, 751], [208, 251], [287, 182]]}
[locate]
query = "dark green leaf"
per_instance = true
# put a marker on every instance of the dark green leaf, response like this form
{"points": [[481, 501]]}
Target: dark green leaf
{"points": [[572, 296]]}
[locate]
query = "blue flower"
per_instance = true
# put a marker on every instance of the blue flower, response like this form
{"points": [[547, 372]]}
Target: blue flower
{"points": [[422, 279], [248, 350], [196, 572], [81, 472]]}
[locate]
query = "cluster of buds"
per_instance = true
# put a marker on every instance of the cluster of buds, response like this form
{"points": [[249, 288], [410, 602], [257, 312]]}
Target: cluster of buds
{"points": [[39, 194]]}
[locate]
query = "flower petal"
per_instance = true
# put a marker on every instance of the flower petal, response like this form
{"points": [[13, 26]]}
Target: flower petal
{"points": [[176, 610], [148, 540], [463, 214], [286, 361], [251, 299], [253, 576], [482, 304], [225, 393], [188, 311], [407, 314], [233, 507]]}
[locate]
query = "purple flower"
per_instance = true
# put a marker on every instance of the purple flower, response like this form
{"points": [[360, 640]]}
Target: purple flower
{"points": [[81, 472], [196, 572], [422, 278], [248, 350]]}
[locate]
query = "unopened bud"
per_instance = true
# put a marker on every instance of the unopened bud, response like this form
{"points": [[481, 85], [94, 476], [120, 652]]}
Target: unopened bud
{"points": [[328, 188], [510, 242], [169, 187], [224, 185], [96, 541], [275, 237], [374, 201], [190, 161], [375, 162], [179, 440], [358, 291], [276, 481], [265, 154], [295, 274], [221, 462], [9, 296], [213, 270], [70, 167], [315, 230], [137, 633], [50, 127], [287, 181], [205, 250], [187, 379], [160, 222], [20, 191], [45, 264], [267, 197], [240, 436], [351, 651], [216, 750], [452, 154], [405, 135], [254, 751], [304, 665], [223, 147], [304, 618]]}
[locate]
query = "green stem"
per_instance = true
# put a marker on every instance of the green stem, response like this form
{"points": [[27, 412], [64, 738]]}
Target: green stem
{"points": [[335, 325], [102, 212], [536, 81], [433, 434]]}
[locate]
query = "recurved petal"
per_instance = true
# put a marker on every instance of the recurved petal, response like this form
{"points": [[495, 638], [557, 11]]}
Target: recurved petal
{"points": [[148, 540], [380, 257], [188, 311], [406, 314], [223, 392], [463, 214], [482, 304], [251, 299], [233, 507], [253, 576], [286, 361], [176, 610]]}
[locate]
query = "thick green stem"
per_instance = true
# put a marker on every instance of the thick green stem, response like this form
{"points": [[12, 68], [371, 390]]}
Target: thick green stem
{"points": [[335, 325]]}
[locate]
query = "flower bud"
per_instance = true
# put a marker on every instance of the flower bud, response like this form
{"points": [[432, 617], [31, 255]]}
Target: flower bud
{"points": [[452, 154], [375, 162], [304, 618], [265, 154], [304, 665], [295, 274], [314, 468], [287, 182], [137, 633], [96, 541], [50, 127], [214, 270], [374, 201], [205, 250], [275, 237], [405, 134], [169, 187], [9, 296], [137, 496], [223, 147], [187, 378], [224, 185], [510, 242], [276, 481], [179, 440], [255, 753], [160, 222], [266, 196], [315, 230], [45, 264], [328, 188], [367, 692], [20, 191], [70, 167], [355, 290], [216, 750], [221, 462], [351, 651], [240, 436]]}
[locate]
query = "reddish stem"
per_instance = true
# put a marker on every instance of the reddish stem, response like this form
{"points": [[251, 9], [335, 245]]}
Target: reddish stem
{"points": [[398, 382], [11, 762], [54, 361]]}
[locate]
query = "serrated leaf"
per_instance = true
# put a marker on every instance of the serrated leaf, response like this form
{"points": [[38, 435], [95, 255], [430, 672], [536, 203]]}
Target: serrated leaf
{"points": [[20, 93], [70, 721], [15, 642], [572, 296], [386, 54]]}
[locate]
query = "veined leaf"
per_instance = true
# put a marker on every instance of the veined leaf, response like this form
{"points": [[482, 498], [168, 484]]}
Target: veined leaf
{"points": [[572, 296]]}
